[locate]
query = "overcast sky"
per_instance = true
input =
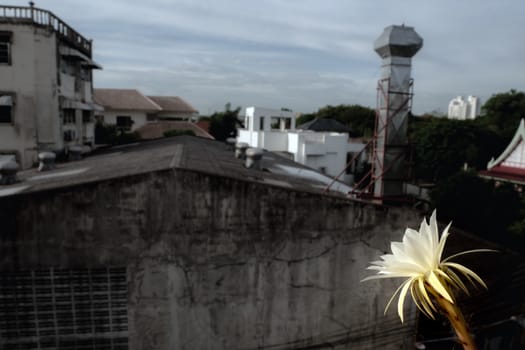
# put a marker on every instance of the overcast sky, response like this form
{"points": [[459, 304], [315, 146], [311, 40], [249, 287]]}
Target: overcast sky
{"points": [[301, 54]]}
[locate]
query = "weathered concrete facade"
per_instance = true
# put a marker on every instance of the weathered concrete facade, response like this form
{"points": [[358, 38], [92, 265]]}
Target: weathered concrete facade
{"points": [[45, 86], [220, 263]]}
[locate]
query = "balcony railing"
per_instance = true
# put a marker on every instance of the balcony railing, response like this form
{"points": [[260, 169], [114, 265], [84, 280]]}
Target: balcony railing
{"points": [[44, 18]]}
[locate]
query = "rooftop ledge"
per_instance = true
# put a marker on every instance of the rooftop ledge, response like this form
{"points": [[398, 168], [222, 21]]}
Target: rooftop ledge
{"points": [[46, 19]]}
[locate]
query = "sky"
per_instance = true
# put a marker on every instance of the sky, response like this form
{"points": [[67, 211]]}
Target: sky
{"points": [[297, 54]]}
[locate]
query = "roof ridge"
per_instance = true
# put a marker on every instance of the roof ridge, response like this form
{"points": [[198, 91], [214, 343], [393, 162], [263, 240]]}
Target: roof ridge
{"points": [[519, 135]]}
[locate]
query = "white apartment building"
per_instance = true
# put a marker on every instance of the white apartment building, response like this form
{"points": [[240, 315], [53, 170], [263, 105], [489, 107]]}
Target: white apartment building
{"points": [[274, 130], [46, 84], [462, 109]]}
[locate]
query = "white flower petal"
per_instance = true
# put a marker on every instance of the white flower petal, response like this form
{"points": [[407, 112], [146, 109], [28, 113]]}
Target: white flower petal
{"points": [[418, 259], [435, 283], [402, 296]]}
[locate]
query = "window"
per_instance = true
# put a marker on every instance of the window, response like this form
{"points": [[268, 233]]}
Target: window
{"points": [[5, 47], [69, 135], [6, 106], [64, 309], [124, 122], [261, 123], [86, 116], [69, 116], [275, 123]]}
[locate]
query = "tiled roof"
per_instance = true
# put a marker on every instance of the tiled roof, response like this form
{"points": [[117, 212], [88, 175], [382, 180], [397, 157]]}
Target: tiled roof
{"points": [[517, 140], [173, 104], [508, 166], [204, 125], [505, 173], [125, 99], [324, 124], [156, 129]]}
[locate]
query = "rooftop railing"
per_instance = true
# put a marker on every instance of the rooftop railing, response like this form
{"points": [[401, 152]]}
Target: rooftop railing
{"points": [[44, 18]]}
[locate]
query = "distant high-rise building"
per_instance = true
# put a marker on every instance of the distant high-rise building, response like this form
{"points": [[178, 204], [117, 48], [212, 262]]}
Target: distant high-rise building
{"points": [[462, 109]]}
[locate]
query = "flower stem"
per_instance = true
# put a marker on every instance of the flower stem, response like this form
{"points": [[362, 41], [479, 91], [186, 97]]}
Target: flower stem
{"points": [[457, 320]]}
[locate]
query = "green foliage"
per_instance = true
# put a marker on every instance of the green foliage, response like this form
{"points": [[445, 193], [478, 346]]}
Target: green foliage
{"points": [[305, 118], [171, 133], [476, 205], [503, 111], [361, 120], [442, 146], [224, 124]]}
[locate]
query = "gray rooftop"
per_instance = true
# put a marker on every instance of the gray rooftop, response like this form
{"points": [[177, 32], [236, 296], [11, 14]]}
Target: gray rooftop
{"points": [[324, 124], [181, 152]]}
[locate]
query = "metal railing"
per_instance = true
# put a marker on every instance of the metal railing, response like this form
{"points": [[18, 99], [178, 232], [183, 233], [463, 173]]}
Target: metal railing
{"points": [[44, 18]]}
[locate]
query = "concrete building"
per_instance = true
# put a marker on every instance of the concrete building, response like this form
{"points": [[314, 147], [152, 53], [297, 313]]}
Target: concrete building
{"points": [[128, 109], [462, 109], [46, 84], [176, 244], [274, 130]]}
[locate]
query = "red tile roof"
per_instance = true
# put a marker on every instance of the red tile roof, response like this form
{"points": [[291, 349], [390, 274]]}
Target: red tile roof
{"points": [[156, 129], [173, 104], [505, 173]]}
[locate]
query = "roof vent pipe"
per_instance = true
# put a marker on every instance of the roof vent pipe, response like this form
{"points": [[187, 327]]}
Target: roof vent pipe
{"points": [[240, 150], [8, 171], [75, 153], [253, 158], [230, 141], [46, 161]]}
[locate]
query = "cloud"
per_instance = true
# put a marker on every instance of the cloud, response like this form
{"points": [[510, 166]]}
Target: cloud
{"points": [[298, 54]]}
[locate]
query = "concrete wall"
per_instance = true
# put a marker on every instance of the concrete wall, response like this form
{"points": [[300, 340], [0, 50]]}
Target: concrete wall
{"points": [[217, 263], [32, 77]]}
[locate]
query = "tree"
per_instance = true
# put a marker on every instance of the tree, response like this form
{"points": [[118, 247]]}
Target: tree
{"points": [[503, 111], [442, 146], [305, 118], [361, 120], [224, 124], [478, 206]]}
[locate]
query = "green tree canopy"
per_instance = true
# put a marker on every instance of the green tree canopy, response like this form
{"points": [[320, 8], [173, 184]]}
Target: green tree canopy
{"points": [[503, 111], [442, 146], [224, 124], [476, 205], [358, 118]]}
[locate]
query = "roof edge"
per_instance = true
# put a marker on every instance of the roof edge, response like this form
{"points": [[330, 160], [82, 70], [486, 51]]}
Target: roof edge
{"points": [[518, 136]]}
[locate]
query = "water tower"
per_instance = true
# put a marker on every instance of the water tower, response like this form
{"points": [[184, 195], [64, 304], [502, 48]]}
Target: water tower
{"points": [[396, 46]]}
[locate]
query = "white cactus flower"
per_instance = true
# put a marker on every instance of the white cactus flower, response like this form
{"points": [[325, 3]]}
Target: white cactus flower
{"points": [[418, 259]]}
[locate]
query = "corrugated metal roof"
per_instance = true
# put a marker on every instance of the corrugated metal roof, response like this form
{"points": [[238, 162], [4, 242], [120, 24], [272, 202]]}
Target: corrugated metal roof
{"points": [[180, 152]]}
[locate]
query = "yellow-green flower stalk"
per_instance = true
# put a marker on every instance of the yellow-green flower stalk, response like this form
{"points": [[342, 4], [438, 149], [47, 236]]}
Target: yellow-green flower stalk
{"points": [[430, 280]]}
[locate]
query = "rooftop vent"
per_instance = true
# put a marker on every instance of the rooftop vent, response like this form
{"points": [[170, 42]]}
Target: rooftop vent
{"points": [[230, 141], [8, 172], [75, 153], [253, 158], [240, 150], [46, 161]]}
